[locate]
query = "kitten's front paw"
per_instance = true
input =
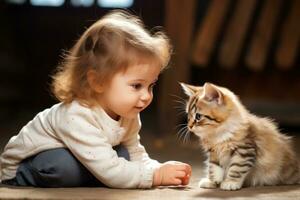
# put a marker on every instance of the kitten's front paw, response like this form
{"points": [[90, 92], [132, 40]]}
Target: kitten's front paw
{"points": [[206, 183], [217, 180], [230, 185], [217, 175]]}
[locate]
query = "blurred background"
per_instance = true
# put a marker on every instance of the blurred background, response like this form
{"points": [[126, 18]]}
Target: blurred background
{"points": [[249, 46]]}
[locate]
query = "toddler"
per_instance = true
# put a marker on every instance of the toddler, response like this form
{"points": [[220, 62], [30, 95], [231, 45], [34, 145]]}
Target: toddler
{"points": [[91, 137]]}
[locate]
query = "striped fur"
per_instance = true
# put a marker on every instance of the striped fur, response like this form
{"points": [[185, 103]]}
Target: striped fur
{"points": [[242, 149]]}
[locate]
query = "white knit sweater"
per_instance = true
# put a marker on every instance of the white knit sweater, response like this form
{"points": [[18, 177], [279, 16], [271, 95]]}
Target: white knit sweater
{"points": [[90, 135]]}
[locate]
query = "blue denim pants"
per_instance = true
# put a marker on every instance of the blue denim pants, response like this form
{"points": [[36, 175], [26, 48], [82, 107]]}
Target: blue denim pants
{"points": [[57, 168]]}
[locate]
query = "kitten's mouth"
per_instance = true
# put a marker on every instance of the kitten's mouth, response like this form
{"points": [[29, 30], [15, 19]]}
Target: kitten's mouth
{"points": [[199, 127]]}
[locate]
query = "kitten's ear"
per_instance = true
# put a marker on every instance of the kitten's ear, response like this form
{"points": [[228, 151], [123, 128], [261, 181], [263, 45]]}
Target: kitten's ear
{"points": [[189, 89], [212, 93]]}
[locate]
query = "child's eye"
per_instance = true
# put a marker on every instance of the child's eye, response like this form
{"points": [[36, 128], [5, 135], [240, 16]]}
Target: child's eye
{"points": [[136, 86]]}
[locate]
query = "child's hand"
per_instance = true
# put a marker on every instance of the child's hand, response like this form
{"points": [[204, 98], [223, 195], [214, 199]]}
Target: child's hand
{"points": [[172, 173]]}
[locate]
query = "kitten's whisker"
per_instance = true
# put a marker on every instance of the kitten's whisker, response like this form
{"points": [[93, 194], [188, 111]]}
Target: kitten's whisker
{"points": [[178, 97], [187, 136], [181, 130], [180, 125], [180, 102], [179, 108], [182, 133], [182, 113], [179, 133], [189, 133]]}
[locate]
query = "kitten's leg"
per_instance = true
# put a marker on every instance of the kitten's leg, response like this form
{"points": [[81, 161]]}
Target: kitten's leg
{"points": [[208, 182], [216, 172], [242, 161], [215, 176]]}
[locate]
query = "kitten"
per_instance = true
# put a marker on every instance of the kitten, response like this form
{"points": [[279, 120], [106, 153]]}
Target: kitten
{"points": [[242, 149]]}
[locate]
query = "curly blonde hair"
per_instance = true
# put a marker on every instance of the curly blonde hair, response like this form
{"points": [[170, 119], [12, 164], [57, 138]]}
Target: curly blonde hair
{"points": [[111, 44]]}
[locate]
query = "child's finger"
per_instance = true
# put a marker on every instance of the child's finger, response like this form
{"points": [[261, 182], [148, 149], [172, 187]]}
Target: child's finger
{"points": [[186, 180], [177, 181], [180, 174], [184, 167], [180, 167], [173, 162], [189, 170], [188, 166]]}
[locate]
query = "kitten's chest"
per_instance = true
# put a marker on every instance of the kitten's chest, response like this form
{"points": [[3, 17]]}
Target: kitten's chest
{"points": [[221, 155]]}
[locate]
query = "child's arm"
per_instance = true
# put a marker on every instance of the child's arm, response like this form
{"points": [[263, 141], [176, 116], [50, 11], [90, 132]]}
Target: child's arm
{"points": [[169, 173], [136, 150]]}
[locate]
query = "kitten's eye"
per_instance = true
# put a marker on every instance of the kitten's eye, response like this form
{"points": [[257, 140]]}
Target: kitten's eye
{"points": [[198, 116]]}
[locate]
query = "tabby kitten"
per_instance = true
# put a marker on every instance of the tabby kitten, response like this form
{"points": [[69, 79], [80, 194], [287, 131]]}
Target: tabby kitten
{"points": [[242, 149]]}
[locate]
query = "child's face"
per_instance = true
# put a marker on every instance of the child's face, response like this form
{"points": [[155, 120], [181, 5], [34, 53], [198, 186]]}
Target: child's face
{"points": [[129, 92]]}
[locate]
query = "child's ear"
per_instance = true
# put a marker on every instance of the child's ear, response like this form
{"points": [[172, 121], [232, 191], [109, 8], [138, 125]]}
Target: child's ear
{"points": [[189, 89], [212, 94], [93, 81]]}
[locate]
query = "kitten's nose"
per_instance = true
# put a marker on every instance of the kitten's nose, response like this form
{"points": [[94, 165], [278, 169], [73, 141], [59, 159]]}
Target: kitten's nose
{"points": [[190, 125]]}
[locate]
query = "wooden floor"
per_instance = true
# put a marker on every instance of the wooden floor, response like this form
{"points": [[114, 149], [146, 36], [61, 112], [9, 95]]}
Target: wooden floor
{"points": [[162, 149], [167, 193]]}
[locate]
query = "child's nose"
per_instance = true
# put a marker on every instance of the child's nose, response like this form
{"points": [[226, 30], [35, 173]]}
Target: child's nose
{"points": [[146, 95]]}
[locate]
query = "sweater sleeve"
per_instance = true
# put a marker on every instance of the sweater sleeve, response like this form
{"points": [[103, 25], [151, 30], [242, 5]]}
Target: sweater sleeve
{"points": [[136, 150], [82, 135]]}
